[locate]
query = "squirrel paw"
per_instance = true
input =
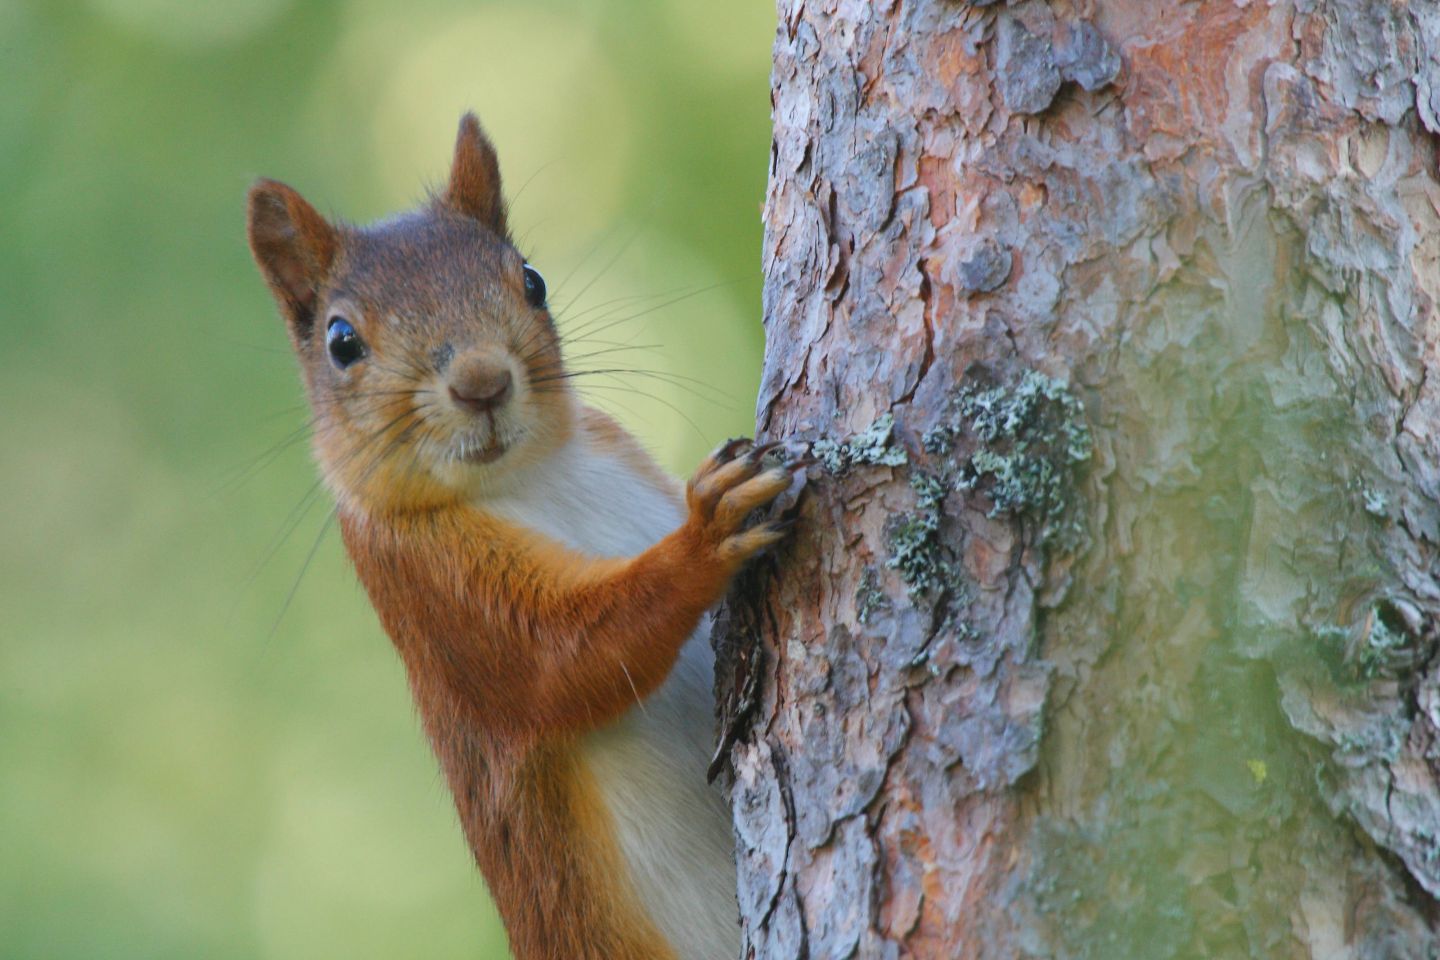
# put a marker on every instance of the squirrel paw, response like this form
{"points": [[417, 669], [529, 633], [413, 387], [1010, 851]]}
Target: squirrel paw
{"points": [[731, 483]]}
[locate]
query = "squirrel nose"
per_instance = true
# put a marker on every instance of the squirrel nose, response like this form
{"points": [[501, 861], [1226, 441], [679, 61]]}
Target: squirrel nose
{"points": [[482, 386]]}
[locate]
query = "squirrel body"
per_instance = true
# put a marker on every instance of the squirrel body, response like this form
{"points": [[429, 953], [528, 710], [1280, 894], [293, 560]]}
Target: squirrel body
{"points": [[542, 579]]}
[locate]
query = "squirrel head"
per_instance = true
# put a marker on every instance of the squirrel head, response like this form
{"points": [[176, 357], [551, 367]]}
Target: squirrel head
{"points": [[429, 356]]}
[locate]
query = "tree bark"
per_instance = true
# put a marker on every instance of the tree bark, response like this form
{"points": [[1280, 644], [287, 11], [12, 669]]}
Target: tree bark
{"points": [[1109, 627]]}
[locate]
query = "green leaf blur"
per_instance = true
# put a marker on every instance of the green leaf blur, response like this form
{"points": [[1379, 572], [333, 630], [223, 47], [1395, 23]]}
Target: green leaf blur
{"points": [[192, 768]]}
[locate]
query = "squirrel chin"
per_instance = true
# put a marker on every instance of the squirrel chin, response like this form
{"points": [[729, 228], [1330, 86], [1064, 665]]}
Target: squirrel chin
{"points": [[495, 470]]}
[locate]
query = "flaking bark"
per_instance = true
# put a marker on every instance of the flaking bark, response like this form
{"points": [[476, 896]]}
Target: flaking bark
{"points": [[1109, 629]]}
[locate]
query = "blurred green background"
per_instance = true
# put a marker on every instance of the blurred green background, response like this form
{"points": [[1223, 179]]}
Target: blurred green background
{"points": [[183, 777]]}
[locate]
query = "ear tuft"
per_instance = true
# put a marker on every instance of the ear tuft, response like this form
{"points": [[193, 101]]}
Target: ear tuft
{"points": [[474, 187], [294, 246]]}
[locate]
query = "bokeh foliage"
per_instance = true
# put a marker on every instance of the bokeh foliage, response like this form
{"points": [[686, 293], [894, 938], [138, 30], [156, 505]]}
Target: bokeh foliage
{"points": [[182, 776]]}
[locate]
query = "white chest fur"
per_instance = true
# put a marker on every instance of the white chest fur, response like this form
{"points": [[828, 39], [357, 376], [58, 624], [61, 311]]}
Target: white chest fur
{"points": [[674, 830]]}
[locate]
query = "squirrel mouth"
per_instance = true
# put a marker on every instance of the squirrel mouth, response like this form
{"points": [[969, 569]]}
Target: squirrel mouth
{"points": [[477, 454]]}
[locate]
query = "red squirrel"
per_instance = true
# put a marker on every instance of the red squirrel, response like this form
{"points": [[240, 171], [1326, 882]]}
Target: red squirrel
{"points": [[542, 579]]}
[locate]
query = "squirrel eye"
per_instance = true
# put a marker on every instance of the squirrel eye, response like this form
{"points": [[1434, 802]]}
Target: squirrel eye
{"points": [[534, 287], [343, 342]]}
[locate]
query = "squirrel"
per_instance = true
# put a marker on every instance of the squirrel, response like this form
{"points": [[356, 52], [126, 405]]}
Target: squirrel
{"points": [[542, 579]]}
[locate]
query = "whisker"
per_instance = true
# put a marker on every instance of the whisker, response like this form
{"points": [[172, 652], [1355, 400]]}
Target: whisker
{"points": [[569, 317], [659, 306], [606, 402], [565, 280], [609, 306], [282, 412], [523, 348], [523, 243], [649, 396], [287, 527], [385, 452], [690, 385], [572, 361], [630, 342], [603, 270], [300, 510], [579, 331], [236, 477], [418, 446], [304, 568], [531, 179]]}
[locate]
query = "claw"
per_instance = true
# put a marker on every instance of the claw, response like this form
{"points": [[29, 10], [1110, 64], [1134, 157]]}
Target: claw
{"points": [[800, 463], [757, 453], [726, 451]]}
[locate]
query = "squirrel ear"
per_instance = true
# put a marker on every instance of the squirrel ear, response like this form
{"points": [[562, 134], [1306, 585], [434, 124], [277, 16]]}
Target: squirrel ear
{"points": [[294, 247], [474, 187]]}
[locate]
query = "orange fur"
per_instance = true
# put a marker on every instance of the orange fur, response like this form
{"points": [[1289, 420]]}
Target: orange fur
{"points": [[515, 647], [547, 641]]}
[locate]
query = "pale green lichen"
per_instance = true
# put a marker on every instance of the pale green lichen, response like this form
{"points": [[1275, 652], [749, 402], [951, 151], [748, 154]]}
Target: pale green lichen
{"points": [[1379, 646], [1031, 438], [1023, 444], [1384, 643], [915, 551], [868, 596], [874, 446], [1375, 502]]}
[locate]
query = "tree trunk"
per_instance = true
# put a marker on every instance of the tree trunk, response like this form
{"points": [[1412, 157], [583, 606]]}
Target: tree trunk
{"points": [[1109, 627]]}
